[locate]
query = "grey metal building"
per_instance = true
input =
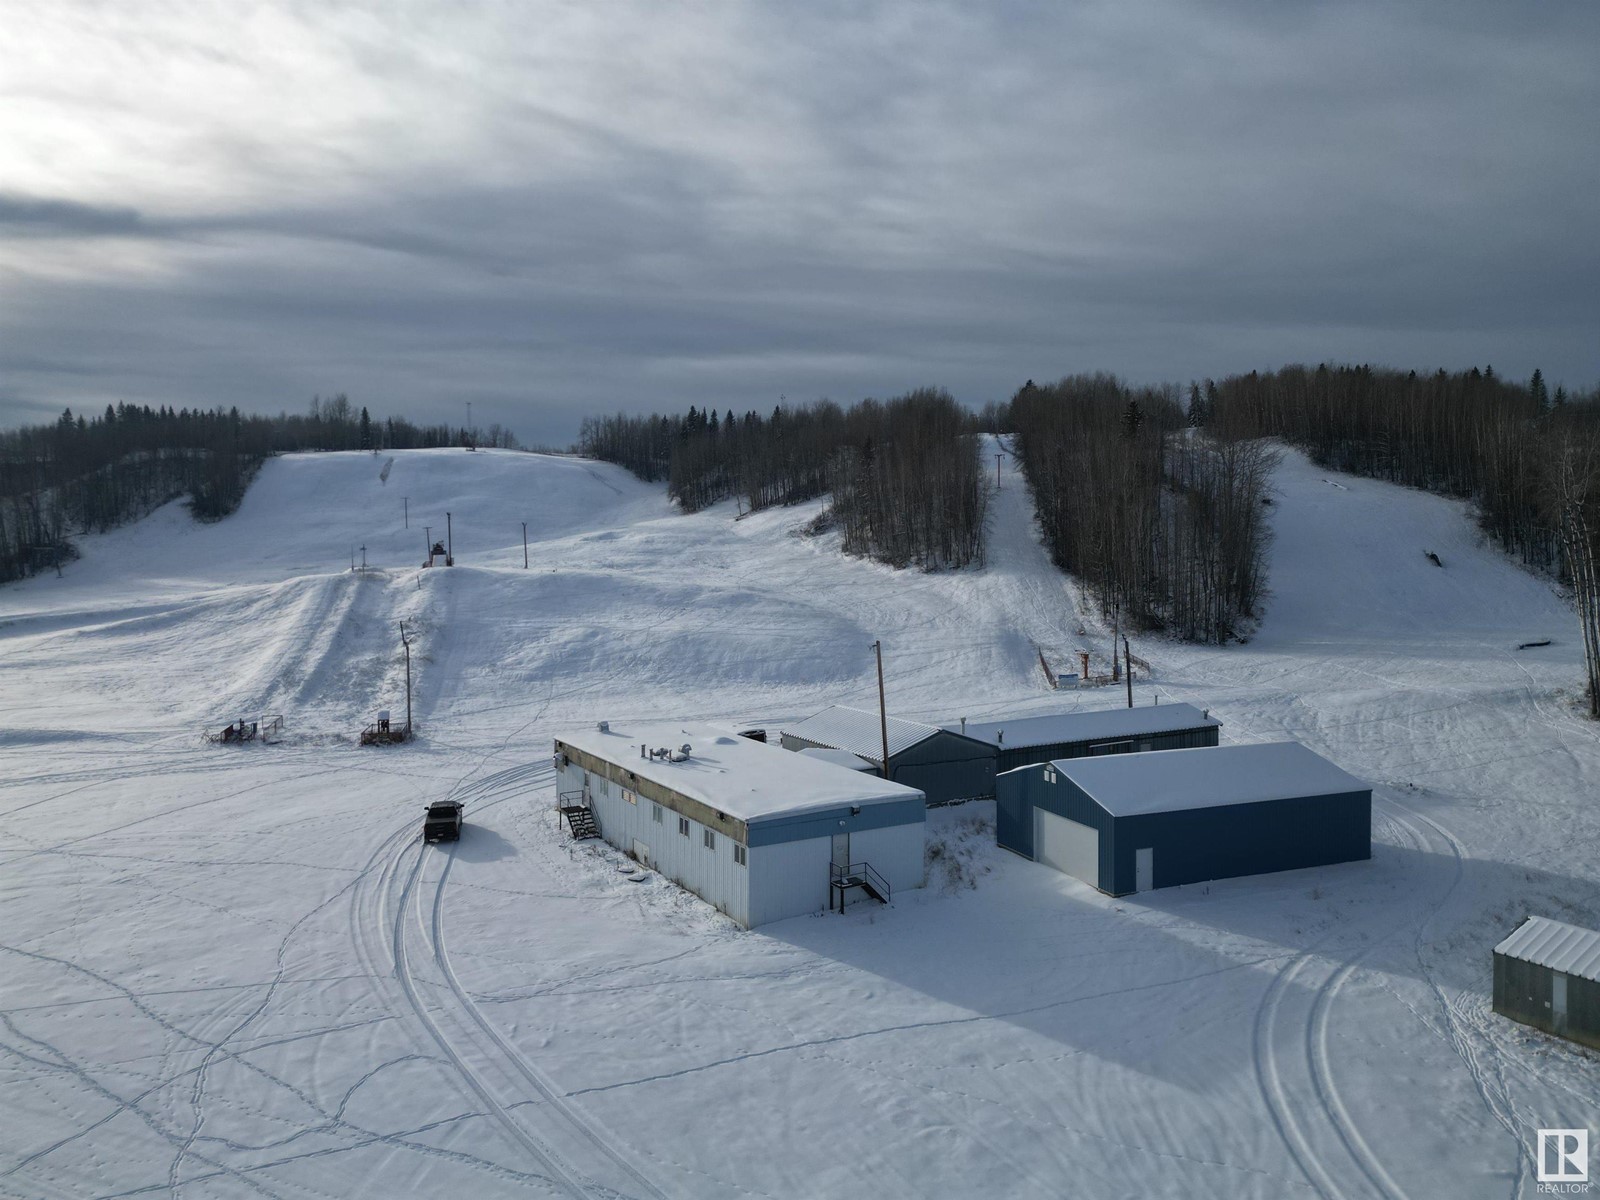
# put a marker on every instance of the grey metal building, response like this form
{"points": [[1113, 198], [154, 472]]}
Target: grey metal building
{"points": [[1133, 822], [1020, 741], [1547, 974], [943, 765]]}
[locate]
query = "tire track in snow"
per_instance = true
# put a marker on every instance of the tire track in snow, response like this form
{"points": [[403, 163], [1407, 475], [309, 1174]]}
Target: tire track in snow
{"points": [[590, 1133], [1493, 1093], [557, 1172], [1326, 1143], [386, 913]]}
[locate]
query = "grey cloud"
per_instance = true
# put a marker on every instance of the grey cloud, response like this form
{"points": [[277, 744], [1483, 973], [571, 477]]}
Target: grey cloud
{"points": [[845, 201], [30, 216]]}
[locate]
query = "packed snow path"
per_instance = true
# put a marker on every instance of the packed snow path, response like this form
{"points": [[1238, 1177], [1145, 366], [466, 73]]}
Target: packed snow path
{"points": [[234, 971]]}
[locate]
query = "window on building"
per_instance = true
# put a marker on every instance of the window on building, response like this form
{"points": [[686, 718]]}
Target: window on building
{"points": [[605, 786], [683, 826], [710, 840], [738, 854], [1111, 748], [630, 796], [655, 813]]}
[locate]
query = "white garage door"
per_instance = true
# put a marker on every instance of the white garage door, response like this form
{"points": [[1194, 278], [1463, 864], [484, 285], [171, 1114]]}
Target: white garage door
{"points": [[1067, 846]]}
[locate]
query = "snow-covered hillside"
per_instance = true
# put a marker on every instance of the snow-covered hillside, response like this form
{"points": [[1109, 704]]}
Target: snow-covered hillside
{"points": [[234, 970]]}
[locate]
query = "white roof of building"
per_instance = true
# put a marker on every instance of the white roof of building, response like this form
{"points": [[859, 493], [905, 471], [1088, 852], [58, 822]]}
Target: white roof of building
{"points": [[839, 758], [859, 731], [1057, 728], [1127, 785], [1557, 945], [743, 778]]}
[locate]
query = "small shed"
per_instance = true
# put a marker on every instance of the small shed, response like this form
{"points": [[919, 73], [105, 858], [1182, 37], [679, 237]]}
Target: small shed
{"points": [[1021, 741], [1547, 974], [759, 833], [1133, 822], [943, 765]]}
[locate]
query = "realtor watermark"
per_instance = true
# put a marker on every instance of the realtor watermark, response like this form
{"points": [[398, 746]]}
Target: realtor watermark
{"points": [[1562, 1166]]}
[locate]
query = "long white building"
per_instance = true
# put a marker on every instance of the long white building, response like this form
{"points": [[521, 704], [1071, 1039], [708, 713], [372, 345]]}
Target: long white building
{"points": [[760, 833]]}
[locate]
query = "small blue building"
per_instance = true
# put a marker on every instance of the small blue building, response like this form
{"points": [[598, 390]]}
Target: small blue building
{"points": [[945, 766], [1133, 822], [1021, 741]]}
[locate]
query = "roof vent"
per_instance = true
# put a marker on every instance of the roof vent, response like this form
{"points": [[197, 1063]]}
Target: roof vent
{"points": [[605, 726]]}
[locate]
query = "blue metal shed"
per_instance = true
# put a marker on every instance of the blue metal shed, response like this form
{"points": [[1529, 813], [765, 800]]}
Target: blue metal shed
{"points": [[945, 766], [1132, 822]]}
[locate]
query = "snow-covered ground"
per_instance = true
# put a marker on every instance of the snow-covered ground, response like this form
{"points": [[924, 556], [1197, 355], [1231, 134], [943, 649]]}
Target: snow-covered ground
{"points": [[235, 970]]}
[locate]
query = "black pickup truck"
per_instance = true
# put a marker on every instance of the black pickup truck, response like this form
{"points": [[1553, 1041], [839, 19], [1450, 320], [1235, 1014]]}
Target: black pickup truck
{"points": [[443, 823]]}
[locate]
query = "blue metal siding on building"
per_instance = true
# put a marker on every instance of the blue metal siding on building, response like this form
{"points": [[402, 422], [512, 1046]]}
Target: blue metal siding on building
{"points": [[1192, 845], [802, 826], [1011, 757], [946, 767], [1199, 844]]}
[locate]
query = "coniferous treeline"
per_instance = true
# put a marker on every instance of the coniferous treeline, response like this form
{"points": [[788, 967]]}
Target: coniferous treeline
{"points": [[903, 475], [82, 474], [1163, 524]]}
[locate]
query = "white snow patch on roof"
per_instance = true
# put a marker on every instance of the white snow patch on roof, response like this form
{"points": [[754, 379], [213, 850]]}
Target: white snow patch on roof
{"points": [[839, 758], [737, 776], [860, 731], [1089, 726], [1570, 949], [1210, 777]]}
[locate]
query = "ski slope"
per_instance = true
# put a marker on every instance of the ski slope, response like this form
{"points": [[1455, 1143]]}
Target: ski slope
{"points": [[235, 971]]}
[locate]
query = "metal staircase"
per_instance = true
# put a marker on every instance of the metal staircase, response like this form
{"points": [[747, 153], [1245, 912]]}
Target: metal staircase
{"points": [[580, 817], [856, 875]]}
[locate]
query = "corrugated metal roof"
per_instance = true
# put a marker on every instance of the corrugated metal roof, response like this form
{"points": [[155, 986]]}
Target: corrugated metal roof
{"points": [[1555, 944], [858, 731], [1093, 725], [1128, 785]]}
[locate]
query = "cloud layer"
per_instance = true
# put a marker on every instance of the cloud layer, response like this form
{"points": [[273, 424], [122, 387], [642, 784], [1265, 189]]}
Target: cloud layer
{"points": [[547, 209]]}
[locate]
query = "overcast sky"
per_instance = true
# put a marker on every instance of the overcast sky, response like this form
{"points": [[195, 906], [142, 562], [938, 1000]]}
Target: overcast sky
{"points": [[549, 209]]}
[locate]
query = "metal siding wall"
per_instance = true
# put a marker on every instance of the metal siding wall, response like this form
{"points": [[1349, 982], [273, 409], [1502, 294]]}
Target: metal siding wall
{"points": [[898, 853], [1025, 756], [1522, 992], [789, 880], [710, 874], [1013, 810], [1014, 813], [826, 822], [1583, 1011], [1196, 845], [946, 767]]}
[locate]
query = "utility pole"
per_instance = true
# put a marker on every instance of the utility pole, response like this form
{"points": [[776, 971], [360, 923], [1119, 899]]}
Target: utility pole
{"points": [[997, 459], [406, 642], [406, 501], [1128, 663], [471, 441], [883, 710], [1116, 635], [524, 545], [363, 558], [352, 558], [449, 543], [427, 536]]}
